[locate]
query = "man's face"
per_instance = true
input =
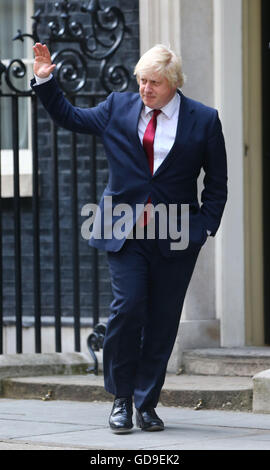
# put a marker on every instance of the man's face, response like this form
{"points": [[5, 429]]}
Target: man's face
{"points": [[155, 90]]}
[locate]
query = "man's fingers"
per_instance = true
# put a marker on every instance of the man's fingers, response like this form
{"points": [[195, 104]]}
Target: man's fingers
{"points": [[46, 52], [38, 46], [37, 50], [43, 64], [42, 54], [41, 49]]}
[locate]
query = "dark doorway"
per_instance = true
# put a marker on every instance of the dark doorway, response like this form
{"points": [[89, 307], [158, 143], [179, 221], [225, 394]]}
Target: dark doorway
{"points": [[266, 159]]}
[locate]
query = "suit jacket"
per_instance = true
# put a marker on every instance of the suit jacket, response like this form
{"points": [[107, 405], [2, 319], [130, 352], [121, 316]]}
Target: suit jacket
{"points": [[199, 144]]}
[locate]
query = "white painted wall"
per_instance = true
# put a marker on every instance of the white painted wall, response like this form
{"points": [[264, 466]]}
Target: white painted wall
{"points": [[228, 87]]}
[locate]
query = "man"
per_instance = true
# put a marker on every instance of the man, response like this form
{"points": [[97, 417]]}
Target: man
{"points": [[156, 141]]}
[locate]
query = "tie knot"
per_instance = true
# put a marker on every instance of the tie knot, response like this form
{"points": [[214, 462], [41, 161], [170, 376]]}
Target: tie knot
{"points": [[156, 112]]}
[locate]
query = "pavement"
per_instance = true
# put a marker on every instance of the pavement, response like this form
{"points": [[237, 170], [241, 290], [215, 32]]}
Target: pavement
{"points": [[52, 402], [35, 424]]}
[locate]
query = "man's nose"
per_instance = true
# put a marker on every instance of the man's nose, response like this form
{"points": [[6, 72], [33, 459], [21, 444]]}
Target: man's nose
{"points": [[147, 87]]}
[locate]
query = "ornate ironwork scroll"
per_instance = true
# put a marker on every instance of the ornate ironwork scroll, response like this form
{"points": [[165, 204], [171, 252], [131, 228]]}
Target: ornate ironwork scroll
{"points": [[97, 40], [95, 343], [16, 68]]}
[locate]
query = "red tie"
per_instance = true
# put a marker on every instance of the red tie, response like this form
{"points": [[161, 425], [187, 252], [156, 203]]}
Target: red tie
{"points": [[148, 145]]}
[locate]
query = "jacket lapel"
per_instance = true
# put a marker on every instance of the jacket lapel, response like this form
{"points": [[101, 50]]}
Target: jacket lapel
{"points": [[132, 122], [186, 121]]}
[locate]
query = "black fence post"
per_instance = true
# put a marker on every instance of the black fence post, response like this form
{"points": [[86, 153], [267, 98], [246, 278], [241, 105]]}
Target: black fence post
{"points": [[56, 240], [17, 221], [1, 245], [75, 247], [36, 226], [95, 278]]}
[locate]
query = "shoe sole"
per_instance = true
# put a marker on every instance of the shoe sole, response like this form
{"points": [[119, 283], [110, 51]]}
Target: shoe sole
{"points": [[121, 431], [152, 428], [155, 427]]}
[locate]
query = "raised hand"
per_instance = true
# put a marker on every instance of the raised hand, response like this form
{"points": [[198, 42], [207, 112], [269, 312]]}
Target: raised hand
{"points": [[43, 64]]}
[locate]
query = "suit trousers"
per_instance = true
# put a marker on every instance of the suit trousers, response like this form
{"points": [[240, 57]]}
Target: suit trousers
{"points": [[148, 295]]}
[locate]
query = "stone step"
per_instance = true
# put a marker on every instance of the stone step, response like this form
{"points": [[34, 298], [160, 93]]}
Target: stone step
{"points": [[31, 364], [198, 392], [243, 362]]}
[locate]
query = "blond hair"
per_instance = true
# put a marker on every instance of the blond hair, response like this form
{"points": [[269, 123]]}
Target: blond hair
{"points": [[163, 60]]}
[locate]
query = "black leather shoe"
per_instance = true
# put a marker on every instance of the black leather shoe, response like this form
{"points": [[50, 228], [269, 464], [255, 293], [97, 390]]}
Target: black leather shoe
{"points": [[148, 420], [121, 415]]}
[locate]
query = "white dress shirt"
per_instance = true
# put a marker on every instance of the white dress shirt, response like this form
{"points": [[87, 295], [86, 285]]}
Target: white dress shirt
{"points": [[165, 134], [39, 80]]}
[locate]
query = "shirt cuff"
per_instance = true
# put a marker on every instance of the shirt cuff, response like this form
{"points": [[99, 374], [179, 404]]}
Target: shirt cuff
{"points": [[39, 80]]}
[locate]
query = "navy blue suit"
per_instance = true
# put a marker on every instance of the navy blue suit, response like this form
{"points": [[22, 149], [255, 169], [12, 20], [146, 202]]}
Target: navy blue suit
{"points": [[149, 280]]}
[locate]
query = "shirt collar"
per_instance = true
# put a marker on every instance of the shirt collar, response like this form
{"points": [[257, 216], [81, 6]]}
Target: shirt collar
{"points": [[169, 108]]}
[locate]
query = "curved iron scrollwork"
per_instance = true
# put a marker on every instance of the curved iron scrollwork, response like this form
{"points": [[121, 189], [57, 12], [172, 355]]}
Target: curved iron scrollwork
{"points": [[95, 343], [105, 33], [114, 75], [65, 28], [15, 69], [108, 28], [71, 69]]}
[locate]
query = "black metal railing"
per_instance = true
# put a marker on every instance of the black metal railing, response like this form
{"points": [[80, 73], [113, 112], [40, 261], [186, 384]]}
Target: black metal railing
{"points": [[107, 30], [74, 235], [75, 231]]}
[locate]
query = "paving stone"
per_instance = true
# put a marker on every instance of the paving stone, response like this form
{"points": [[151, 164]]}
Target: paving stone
{"points": [[84, 425]]}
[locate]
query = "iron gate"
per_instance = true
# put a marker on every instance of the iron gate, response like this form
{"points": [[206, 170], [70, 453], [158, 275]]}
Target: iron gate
{"points": [[73, 50]]}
